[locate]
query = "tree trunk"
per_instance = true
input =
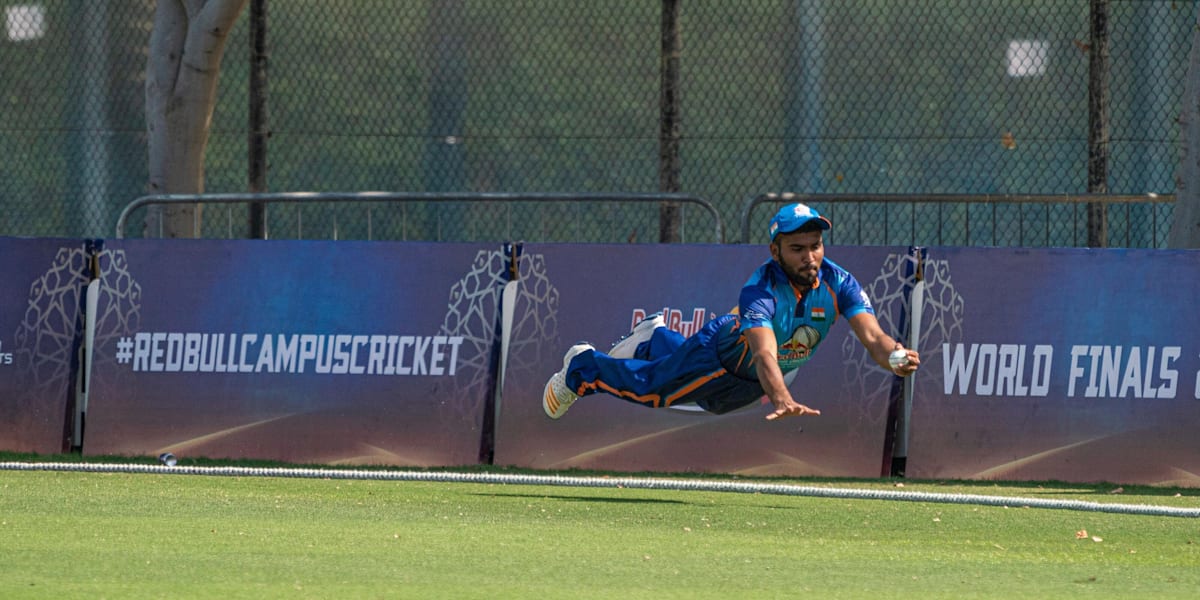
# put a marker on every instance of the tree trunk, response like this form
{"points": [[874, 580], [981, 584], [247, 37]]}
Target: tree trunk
{"points": [[1185, 228], [186, 47]]}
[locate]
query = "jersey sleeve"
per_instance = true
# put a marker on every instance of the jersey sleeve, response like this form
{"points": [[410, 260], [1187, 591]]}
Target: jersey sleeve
{"points": [[851, 298], [756, 303]]}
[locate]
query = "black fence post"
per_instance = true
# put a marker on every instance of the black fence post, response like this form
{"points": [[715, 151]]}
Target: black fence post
{"points": [[1098, 131], [669, 216], [258, 125]]}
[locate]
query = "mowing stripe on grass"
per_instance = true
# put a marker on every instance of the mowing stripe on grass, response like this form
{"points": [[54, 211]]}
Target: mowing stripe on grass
{"points": [[615, 482]]}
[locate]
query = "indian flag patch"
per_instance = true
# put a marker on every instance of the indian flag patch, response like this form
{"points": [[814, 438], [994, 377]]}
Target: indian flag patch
{"points": [[818, 314]]}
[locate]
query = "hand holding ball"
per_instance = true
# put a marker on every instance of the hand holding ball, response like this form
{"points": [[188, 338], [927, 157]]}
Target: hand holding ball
{"points": [[898, 358]]}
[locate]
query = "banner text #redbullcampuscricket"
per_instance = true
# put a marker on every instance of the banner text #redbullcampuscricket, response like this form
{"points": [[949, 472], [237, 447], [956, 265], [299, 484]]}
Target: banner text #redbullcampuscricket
{"points": [[340, 354]]}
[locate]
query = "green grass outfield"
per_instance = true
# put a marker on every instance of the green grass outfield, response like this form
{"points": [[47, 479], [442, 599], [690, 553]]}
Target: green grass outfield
{"points": [[147, 535]]}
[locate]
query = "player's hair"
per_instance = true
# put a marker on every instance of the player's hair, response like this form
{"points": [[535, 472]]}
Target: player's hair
{"points": [[813, 225]]}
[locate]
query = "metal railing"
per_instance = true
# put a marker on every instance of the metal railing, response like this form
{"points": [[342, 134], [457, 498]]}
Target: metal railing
{"points": [[410, 197], [963, 221]]}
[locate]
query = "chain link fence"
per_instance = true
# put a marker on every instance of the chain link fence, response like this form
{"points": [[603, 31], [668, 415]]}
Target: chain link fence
{"points": [[938, 97]]}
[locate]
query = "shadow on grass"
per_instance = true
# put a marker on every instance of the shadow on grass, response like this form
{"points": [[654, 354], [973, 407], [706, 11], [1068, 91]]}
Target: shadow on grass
{"points": [[608, 500]]}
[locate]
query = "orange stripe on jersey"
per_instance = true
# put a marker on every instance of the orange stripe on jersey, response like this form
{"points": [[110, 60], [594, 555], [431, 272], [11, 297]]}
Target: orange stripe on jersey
{"points": [[835, 304], [800, 293], [796, 291], [745, 350], [691, 387]]}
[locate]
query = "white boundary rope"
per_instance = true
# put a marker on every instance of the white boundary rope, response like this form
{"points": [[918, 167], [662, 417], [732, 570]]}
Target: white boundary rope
{"points": [[616, 482]]}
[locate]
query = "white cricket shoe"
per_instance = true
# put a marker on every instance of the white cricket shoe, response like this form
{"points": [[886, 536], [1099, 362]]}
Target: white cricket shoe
{"points": [[626, 346], [557, 397]]}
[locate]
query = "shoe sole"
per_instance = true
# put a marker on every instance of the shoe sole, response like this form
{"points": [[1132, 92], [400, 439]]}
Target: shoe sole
{"points": [[550, 402]]}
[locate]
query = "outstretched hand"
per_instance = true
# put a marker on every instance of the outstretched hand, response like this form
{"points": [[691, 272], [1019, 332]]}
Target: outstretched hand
{"points": [[792, 409]]}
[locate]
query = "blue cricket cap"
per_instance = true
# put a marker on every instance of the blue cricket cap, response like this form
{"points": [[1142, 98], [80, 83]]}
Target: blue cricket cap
{"points": [[795, 216]]}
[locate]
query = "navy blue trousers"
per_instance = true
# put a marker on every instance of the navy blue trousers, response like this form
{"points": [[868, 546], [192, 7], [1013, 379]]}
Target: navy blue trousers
{"points": [[669, 369]]}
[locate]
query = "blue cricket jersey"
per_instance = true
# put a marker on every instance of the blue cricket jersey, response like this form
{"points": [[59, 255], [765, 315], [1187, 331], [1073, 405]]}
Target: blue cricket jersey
{"points": [[800, 318]]}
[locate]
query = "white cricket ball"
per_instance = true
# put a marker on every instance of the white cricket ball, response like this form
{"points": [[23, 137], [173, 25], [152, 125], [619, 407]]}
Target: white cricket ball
{"points": [[898, 358]]}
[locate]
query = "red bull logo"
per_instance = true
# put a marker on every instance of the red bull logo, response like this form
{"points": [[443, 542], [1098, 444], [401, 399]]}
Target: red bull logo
{"points": [[675, 320]]}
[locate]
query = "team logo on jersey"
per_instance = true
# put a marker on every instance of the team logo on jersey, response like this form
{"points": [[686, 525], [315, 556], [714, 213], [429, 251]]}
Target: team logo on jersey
{"points": [[800, 345]]}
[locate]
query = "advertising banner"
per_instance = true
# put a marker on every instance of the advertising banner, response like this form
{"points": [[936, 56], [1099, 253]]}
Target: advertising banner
{"points": [[41, 293], [1072, 365], [309, 352], [595, 293]]}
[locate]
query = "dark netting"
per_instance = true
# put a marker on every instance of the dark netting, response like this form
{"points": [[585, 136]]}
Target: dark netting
{"points": [[907, 98]]}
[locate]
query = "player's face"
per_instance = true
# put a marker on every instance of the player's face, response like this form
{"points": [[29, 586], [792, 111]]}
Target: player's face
{"points": [[800, 255]]}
